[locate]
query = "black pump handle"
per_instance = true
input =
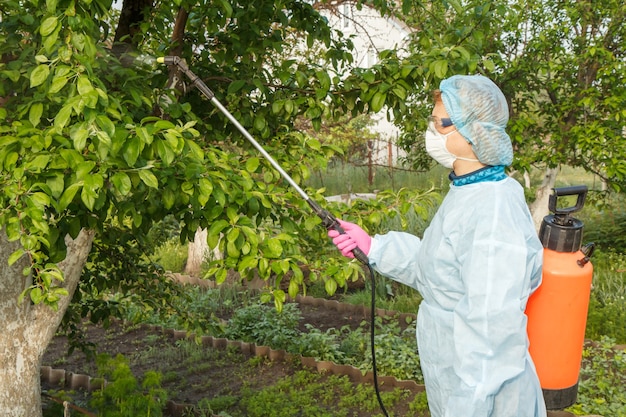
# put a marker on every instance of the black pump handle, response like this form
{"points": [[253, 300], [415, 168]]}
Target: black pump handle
{"points": [[578, 190]]}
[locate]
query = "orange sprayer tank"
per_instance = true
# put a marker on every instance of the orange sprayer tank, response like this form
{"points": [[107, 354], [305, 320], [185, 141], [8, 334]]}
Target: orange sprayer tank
{"points": [[557, 311]]}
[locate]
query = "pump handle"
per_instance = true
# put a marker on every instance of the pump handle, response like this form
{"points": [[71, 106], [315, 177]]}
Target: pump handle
{"points": [[578, 190]]}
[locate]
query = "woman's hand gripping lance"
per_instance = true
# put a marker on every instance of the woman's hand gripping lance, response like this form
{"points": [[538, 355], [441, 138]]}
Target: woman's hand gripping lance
{"points": [[329, 221]]}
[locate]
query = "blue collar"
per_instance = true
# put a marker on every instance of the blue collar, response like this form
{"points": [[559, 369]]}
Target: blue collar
{"points": [[488, 173]]}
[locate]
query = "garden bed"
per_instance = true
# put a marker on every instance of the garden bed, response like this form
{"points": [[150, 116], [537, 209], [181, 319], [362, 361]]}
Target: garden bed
{"points": [[214, 368], [218, 374]]}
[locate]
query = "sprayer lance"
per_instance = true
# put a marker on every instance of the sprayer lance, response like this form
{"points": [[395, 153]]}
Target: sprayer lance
{"points": [[328, 220]]}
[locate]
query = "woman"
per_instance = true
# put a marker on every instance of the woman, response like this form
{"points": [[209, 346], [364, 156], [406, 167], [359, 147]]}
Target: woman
{"points": [[477, 264]]}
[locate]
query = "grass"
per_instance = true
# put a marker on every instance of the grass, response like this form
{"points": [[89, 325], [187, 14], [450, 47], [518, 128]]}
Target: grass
{"points": [[171, 255], [342, 179]]}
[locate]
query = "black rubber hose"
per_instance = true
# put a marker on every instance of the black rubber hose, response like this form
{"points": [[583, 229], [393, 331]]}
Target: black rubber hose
{"points": [[373, 328]]}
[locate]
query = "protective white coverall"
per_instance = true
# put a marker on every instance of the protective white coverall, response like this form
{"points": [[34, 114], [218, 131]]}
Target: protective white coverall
{"points": [[476, 266]]}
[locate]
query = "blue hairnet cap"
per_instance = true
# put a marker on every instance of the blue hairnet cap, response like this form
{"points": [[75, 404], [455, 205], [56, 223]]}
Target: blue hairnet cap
{"points": [[480, 113]]}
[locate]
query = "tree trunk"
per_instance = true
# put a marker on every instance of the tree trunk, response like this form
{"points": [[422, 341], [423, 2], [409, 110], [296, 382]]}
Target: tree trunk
{"points": [[539, 207], [197, 252], [28, 328]]}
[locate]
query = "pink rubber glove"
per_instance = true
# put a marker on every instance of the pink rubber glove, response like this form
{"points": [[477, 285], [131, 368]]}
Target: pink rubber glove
{"points": [[354, 236]]}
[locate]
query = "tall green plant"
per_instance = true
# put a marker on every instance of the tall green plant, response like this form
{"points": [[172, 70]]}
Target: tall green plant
{"points": [[123, 396]]}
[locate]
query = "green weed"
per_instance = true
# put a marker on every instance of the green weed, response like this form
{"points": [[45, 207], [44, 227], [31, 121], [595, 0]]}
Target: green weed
{"points": [[123, 396], [602, 388]]}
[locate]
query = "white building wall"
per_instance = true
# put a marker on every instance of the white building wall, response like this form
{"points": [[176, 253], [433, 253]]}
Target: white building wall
{"points": [[371, 33]]}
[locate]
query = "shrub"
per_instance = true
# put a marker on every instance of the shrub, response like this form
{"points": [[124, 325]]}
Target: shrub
{"points": [[264, 325]]}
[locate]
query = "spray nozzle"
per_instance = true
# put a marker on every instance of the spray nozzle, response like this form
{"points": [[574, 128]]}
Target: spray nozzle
{"points": [[169, 60], [174, 60]]}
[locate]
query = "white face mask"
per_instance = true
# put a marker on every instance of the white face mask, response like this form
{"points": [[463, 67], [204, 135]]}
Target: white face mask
{"points": [[436, 147]]}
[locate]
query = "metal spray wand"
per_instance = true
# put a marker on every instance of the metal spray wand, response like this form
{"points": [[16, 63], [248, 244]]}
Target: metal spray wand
{"points": [[328, 220]]}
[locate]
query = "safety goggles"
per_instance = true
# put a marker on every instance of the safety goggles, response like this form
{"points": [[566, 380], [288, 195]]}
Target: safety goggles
{"points": [[440, 121]]}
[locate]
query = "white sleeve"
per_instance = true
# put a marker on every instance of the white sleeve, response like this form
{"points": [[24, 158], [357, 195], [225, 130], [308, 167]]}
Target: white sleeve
{"points": [[394, 255]]}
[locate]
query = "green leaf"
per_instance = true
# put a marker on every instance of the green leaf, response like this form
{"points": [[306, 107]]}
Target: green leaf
{"points": [[235, 86], [79, 136], [216, 228], [132, 150], [232, 214], [104, 144], [63, 116], [13, 75], [232, 250], [56, 184], [83, 169], [314, 144], [106, 124], [50, 41], [293, 288], [233, 234], [260, 123], [324, 80], [38, 163], [378, 101], [36, 295], [15, 256], [143, 135], [289, 107], [51, 6], [169, 198], [274, 248], [489, 64], [34, 114], [68, 195], [84, 86], [311, 222], [165, 151], [48, 26], [277, 106], [247, 262], [279, 299], [252, 164], [79, 41], [57, 84], [40, 199], [121, 182], [206, 188], [148, 178], [39, 75], [225, 5], [440, 68], [331, 286], [88, 197]]}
